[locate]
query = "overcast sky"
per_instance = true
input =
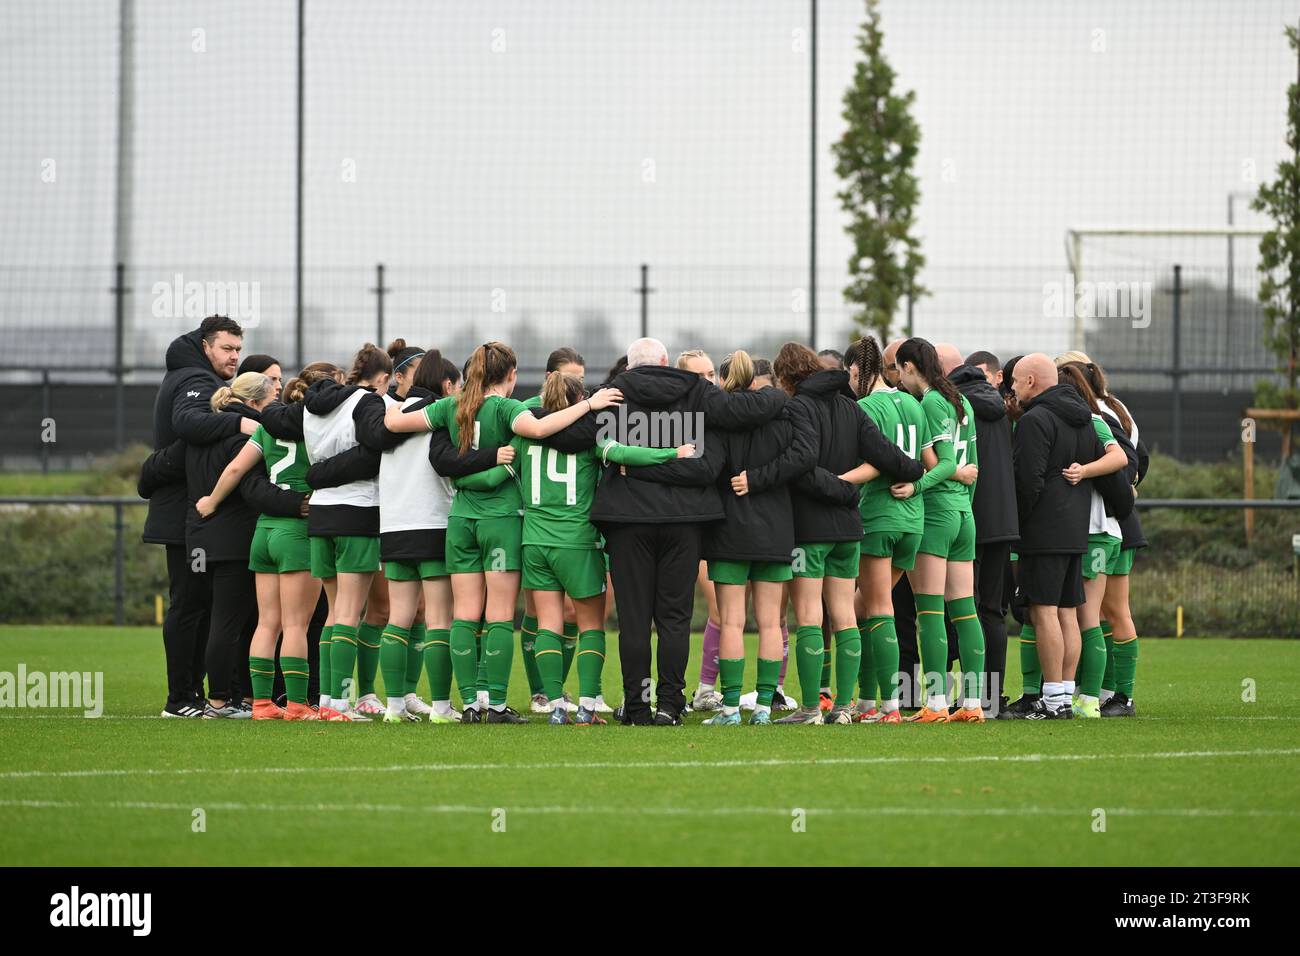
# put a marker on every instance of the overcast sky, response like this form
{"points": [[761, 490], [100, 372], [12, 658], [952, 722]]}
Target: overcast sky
{"points": [[533, 154]]}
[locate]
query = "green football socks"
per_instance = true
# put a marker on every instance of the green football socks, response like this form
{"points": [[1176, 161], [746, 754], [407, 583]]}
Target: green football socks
{"points": [[970, 649], [848, 659]]}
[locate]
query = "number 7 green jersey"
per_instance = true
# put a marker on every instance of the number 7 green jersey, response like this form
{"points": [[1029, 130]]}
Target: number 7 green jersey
{"points": [[899, 417], [950, 494]]}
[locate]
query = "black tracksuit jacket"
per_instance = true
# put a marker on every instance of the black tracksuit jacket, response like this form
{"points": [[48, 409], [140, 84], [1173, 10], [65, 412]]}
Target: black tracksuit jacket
{"points": [[825, 506], [181, 410], [198, 469], [994, 507], [227, 535], [759, 526], [682, 490], [1055, 431]]}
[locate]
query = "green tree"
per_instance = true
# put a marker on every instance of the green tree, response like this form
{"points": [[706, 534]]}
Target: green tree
{"points": [[1279, 250], [874, 161]]}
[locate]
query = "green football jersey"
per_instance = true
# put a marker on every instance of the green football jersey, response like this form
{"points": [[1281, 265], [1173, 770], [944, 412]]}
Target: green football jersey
{"points": [[492, 427], [950, 494], [558, 488], [1104, 434], [286, 465], [899, 417]]}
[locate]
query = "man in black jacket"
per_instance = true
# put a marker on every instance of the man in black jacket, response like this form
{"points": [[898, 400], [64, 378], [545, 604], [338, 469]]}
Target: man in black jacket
{"points": [[198, 363], [994, 507], [653, 519], [1054, 432]]}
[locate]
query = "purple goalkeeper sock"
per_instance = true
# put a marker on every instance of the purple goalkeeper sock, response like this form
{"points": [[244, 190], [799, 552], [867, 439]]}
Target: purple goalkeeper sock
{"points": [[785, 652], [709, 656]]}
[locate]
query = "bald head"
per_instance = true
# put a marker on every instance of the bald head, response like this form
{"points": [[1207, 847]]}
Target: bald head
{"points": [[949, 357], [890, 370], [1033, 375]]}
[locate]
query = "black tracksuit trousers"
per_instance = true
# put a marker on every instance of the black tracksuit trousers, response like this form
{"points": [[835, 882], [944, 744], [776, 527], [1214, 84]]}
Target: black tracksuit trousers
{"points": [[653, 567], [234, 602], [185, 627], [909, 653], [992, 601]]}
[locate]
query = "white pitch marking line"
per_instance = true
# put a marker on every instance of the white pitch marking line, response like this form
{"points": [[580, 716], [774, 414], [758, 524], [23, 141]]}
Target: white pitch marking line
{"points": [[605, 810], [651, 764]]}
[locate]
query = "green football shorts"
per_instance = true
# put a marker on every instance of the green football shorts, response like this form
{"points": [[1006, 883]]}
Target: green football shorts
{"points": [[825, 559], [280, 550], [900, 546], [742, 572], [949, 535], [578, 572], [484, 544], [344, 554], [414, 570], [1103, 552], [1123, 562]]}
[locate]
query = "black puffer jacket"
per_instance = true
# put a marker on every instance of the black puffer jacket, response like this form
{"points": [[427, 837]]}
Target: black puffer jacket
{"points": [[1054, 432], [682, 490], [1131, 526], [759, 525], [226, 535], [994, 506], [181, 410], [826, 507]]}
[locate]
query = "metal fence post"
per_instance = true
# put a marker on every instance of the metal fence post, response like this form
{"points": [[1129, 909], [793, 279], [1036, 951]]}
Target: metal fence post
{"points": [[119, 356], [644, 291], [380, 290], [119, 566], [1177, 365], [812, 175], [46, 408]]}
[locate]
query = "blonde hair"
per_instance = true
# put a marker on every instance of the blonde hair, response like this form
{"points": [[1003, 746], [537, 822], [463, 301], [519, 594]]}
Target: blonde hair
{"points": [[247, 388], [559, 391], [683, 360], [740, 372], [1072, 356]]}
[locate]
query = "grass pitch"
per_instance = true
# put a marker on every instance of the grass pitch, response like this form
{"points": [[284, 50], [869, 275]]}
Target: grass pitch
{"points": [[1201, 777]]}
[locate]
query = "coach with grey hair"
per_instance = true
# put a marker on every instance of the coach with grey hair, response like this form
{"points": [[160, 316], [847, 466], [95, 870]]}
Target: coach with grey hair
{"points": [[654, 518]]}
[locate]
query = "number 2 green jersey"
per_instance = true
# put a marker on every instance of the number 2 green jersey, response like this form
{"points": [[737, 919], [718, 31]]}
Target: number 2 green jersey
{"points": [[492, 426], [899, 417], [286, 465], [949, 494]]}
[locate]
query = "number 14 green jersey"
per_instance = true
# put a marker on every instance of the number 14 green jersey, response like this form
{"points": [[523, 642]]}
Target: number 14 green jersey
{"points": [[899, 417], [558, 488]]}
